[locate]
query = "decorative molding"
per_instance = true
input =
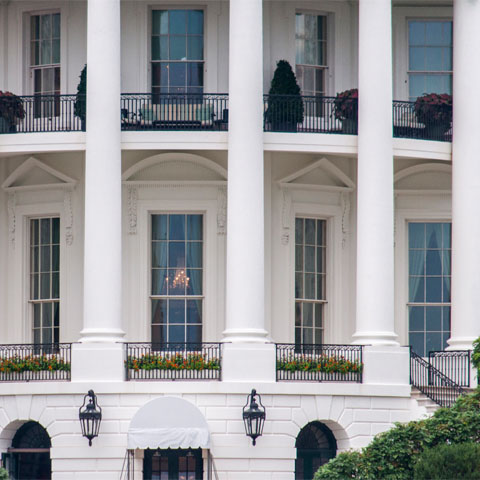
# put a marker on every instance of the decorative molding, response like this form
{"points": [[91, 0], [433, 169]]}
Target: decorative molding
{"points": [[12, 202], [67, 206], [222, 210], [132, 209], [286, 215], [174, 183], [346, 204]]}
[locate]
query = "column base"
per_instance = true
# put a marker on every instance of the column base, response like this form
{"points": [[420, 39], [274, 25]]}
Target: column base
{"points": [[460, 343], [101, 335], [375, 338], [386, 365], [88, 357], [248, 362], [245, 335]]}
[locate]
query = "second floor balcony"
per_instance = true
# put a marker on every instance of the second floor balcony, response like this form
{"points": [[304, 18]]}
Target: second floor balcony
{"points": [[210, 112]]}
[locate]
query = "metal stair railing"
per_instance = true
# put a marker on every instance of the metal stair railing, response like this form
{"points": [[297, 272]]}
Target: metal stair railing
{"points": [[432, 382]]}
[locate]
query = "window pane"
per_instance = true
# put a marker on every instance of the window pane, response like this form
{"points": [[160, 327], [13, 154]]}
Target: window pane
{"points": [[159, 282], [159, 254], [55, 230], [194, 254], [416, 235], [159, 311], [177, 227], [159, 227], [299, 230], [434, 33], [176, 254], [310, 286], [176, 333], [298, 258], [194, 333], [433, 59], [195, 48], [56, 25], [310, 231], [178, 47], [176, 311], [47, 314], [433, 342], [433, 289], [45, 231], [55, 285], [309, 259], [195, 22], [434, 318], [56, 51], [195, 227], [307, 315], [416, 319], [178, 22], [194, 282], [417, 342], [194, 311], [417, 58], [416, 33], [434, 262], [416, 289]]}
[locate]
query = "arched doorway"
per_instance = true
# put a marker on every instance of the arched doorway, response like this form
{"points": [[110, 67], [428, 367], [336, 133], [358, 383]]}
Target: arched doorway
{"points": [[29, 456], [315, 445]]}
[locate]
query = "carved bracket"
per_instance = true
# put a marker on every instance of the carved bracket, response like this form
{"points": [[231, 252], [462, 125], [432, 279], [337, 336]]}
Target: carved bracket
{"points": [[345, 202], [11, 206], [132, 210], [286, 215], [67, 206], [222, 211]]}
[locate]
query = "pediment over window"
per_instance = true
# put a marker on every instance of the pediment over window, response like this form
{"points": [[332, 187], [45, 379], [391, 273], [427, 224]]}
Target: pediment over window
{"points": [[175, 167], [435, 177], [322, 174], [33, 174]]}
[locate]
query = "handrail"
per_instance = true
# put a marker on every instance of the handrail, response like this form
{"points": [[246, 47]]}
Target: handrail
{"points": [[432, 382], [455, 364]]}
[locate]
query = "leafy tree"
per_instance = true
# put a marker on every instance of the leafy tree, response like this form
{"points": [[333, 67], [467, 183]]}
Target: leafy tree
{"points": [[80, 107]]}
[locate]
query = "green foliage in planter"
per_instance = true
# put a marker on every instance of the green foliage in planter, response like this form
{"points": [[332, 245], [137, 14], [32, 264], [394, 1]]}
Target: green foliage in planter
{"points": [[346, 105], [324, 364], [11, 107], [460, 460], [33, 363], [393, 454], [174, 361], [80, 107], [4, 474], [434, 109], [285, 104]]}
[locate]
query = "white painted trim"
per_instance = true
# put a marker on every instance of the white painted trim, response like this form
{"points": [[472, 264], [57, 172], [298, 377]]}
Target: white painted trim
{"points": [[425, 167]]}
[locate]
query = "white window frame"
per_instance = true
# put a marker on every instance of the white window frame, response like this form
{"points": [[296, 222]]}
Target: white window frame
{"points": [[333, 327]]}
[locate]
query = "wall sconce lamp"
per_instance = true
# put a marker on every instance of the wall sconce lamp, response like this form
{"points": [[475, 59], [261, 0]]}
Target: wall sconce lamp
{"points": [[253, 416], [90, 416]]}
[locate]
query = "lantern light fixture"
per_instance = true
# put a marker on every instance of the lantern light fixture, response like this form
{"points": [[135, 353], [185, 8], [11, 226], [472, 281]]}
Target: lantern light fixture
{"points": [[90, 416], [254, 416]]}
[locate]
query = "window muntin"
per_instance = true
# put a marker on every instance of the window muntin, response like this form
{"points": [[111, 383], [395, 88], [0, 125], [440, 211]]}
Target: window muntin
{"points": [[430, 57], [429, 281], [45, 61], [311, 53], [177, 50], [177, 278], [45, 279], [310, 280]]}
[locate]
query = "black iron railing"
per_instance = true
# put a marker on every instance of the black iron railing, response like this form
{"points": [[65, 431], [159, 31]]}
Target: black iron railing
{"points": [[432, 382], [44, 113], [189, 111], [319, 363], [309, 114], [455, 364], [407, 125], [173, 361], [23, 363]]}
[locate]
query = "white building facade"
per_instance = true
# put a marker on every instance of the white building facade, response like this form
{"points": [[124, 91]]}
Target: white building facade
{"points": [[180, 224]]}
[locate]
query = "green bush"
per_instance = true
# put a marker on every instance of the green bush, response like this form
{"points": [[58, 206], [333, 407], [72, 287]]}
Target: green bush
{"points": [[80, 106], [3, 474], [449, 461], [476, 354], [393, 454]]}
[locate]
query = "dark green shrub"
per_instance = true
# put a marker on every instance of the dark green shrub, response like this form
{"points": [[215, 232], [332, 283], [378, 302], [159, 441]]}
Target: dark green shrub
{"points": [[80, 107], [449, 461], [476, 354], [393, 454], [285, 104], [3, 474]]}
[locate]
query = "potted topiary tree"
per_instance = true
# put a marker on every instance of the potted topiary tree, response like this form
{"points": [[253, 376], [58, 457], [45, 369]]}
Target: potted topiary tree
{"points": [[11, 110], [435, 112], [285, 104], [346, 110], [80, 107]]}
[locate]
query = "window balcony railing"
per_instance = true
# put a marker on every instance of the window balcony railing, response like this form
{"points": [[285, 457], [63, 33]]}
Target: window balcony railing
{"points": [[455, 364], [319, 363], [173, 361], [209, 112], [189, 111], [45, 362]]}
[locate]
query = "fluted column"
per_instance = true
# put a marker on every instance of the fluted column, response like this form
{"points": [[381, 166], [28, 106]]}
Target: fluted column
{"points": [[375, 277], [245, 226], [102, 265], [465, 319]]}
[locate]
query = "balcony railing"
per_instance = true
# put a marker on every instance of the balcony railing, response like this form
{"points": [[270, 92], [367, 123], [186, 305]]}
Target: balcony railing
{"points": [[189, 111], [209, 112], [173, 361], [455, 364], [45, 362], [319, 363]]}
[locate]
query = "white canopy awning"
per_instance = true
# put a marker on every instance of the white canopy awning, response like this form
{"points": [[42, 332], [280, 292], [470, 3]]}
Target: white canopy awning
{"points": [[168, 422]]}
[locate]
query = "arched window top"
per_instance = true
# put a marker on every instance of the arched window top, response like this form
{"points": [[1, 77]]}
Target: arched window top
{"points": [[31, 435], [316, 436]]}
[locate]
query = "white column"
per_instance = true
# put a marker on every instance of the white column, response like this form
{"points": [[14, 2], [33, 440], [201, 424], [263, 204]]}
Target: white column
{"points": [[375, 287], [245, 317], [3, 45], [465, 326], [103, 267]]}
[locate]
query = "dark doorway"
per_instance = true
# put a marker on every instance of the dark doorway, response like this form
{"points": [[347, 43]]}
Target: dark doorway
{"points": [[29, 456], [315, 445], [178, 464]]}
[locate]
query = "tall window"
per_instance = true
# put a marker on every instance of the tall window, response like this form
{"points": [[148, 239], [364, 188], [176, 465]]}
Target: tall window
{"points": [[311, 53], [45, 279], [430, 57], [310, 279], [177, 278], [429, 279], [45, 61], [177, 51]]}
